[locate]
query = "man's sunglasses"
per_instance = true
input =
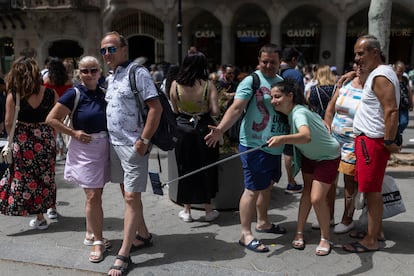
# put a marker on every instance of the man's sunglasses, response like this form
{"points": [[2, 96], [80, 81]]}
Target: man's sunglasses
{"points": [[110, 50], [86, 71]]}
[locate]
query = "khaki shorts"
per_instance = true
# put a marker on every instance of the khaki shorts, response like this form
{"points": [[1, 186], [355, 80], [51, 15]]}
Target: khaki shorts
{"points": [[130, 168]]}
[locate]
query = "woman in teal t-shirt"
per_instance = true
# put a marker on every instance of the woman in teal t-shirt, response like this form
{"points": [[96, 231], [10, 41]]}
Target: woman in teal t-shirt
{"points": [[320, 158]]}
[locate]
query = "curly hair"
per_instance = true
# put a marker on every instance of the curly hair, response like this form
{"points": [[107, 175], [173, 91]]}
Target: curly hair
{"points": [[24, 77]]}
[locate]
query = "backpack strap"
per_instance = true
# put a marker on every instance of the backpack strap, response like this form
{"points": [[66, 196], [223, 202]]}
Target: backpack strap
{"points": [[134, 89]]}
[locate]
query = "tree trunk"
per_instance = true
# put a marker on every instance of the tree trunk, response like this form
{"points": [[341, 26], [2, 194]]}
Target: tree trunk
{"points": [[379, 23]]}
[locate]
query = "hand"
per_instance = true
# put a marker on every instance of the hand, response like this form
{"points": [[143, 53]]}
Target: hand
{"points": [[393, 148], [140, 147], [83, 137], [274, 141], [214, 136]]}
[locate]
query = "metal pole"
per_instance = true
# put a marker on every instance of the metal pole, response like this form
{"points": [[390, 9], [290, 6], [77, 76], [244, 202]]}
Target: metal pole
{"points": [[179, 34], [215, 164]]}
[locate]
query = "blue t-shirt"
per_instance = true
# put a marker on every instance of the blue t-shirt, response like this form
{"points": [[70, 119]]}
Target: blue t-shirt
{"points": [[90, 115], [294, 74], [261, 121]]}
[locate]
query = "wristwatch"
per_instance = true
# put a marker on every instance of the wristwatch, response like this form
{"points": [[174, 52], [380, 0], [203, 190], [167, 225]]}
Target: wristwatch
{"points": [[145, 141], [388, 142]]}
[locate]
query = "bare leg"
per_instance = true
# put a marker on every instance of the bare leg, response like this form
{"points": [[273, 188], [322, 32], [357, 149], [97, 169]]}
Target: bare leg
{"points": [[350, 188], [262, 207], [375, 209], [288, 169], [247, 209], [305, 202], [133, 211], [319, 195]]}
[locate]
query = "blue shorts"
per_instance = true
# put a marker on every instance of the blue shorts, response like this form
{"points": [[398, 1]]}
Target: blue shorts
{"points": [[259, 168]]}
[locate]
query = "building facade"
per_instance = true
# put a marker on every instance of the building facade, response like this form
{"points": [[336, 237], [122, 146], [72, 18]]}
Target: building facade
{"points": [[226, 31]]}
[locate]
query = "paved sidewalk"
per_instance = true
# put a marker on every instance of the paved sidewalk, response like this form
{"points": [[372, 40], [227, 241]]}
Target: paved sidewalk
{"points": [[201, 248]]}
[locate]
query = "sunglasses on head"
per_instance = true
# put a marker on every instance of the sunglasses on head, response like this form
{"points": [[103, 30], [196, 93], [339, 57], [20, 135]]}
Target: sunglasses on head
{"points": [[111, 50], [86, 71]]}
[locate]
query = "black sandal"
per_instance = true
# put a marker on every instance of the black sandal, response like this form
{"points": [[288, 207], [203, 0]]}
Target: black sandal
{"points": [[147, 242], [122, 268]]}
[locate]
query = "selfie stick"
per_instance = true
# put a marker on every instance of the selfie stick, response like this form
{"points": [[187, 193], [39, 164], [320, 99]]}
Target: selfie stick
{"points": [[215, 163]]}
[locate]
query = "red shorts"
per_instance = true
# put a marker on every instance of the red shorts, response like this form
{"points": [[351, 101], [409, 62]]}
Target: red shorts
{"points": [[371, 162], [323, 171]]}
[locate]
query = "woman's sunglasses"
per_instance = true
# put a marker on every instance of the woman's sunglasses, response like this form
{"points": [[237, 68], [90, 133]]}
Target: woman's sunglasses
{"points": [[86, 71], [111, 50]]}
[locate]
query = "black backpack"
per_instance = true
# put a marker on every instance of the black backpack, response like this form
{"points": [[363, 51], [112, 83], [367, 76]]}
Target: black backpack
{"points": [[167, 134], [234, 131]]}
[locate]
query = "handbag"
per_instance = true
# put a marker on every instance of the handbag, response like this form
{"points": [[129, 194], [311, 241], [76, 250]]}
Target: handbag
{"points": [[6, 155]]}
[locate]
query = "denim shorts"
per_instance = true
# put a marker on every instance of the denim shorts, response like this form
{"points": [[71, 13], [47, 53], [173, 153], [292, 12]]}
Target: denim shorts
{"points": [[259, 168]]}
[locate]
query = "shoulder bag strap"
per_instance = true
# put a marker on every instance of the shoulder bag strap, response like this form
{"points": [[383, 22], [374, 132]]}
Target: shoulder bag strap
{"points": [[16, 114]]}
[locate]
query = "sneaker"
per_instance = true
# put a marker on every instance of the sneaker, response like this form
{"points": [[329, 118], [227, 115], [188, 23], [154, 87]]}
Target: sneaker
{"points": [[185, 216], [294, 188], [341, 228], [316, 225], [38, 224], [210, 216], [51, 213]]}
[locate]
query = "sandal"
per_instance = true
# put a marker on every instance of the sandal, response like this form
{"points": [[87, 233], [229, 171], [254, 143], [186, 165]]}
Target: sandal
{"points": [[361, 234], [146, 242], [122, 268], [323, 251], [299, 244], [89, 242], [96, 256]]}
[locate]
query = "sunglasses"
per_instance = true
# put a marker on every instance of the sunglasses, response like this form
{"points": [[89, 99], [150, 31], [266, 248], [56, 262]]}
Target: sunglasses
{"points": [[86, 71], [110, 50]]}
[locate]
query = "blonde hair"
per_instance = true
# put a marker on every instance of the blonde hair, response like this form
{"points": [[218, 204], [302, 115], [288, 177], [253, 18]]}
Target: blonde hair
{"points": [[324, 76], [89, 59]]}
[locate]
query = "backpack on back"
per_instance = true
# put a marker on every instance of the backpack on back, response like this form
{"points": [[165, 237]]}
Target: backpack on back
{"points": [[166, 136], [234, 131]]}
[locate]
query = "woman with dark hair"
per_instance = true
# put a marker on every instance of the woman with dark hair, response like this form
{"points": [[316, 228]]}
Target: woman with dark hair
{"points": [[320, 158], [195, 100], [28, 185]]}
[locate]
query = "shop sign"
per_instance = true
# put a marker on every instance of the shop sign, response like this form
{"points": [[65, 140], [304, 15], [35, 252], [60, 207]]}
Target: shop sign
{"points": [[401, 32], [251, 35], [301, 32], [205, 34]]}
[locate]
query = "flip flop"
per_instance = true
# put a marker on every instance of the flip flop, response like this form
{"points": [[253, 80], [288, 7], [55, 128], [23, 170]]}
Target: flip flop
{"points": [[147, 242], [361, 234], [274, 229], [254, 246], [357, 247]]}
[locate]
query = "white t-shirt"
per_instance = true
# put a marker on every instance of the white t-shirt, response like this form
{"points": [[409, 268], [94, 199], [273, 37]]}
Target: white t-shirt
{"points": [[122, 112], [369, 118]]}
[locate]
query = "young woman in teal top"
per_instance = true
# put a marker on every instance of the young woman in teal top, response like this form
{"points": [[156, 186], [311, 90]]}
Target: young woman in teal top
{"points": [[319, 162]]}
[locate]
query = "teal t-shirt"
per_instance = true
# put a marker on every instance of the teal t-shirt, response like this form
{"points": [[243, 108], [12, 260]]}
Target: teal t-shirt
{"points": [[322, 145], [261, 121]]}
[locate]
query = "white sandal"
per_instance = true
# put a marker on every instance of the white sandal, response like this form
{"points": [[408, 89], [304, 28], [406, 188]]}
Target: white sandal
{"points": [[323, 251], [89, 242], [299, 244], [95, 256]]}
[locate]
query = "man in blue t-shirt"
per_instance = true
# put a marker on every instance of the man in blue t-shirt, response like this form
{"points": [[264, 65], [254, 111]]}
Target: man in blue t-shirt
{"points": [[288, 64], [262, 167]]}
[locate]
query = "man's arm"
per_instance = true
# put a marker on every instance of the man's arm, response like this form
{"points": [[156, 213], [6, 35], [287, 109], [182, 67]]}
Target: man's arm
{"points": [[151, 124], [385, 91], [231, 115]]}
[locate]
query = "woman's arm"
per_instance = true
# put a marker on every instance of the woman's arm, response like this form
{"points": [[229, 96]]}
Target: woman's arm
{"points": [[173, 96], [330, 109], [303, 136], [213, 100], [10, 109]]}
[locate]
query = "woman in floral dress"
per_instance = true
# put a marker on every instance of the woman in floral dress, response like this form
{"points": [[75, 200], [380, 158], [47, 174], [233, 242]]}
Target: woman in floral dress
{"points": [[28, 185]]}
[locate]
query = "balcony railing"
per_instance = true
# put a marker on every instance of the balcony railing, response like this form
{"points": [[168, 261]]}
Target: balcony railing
{"points": [[55, 4]]}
